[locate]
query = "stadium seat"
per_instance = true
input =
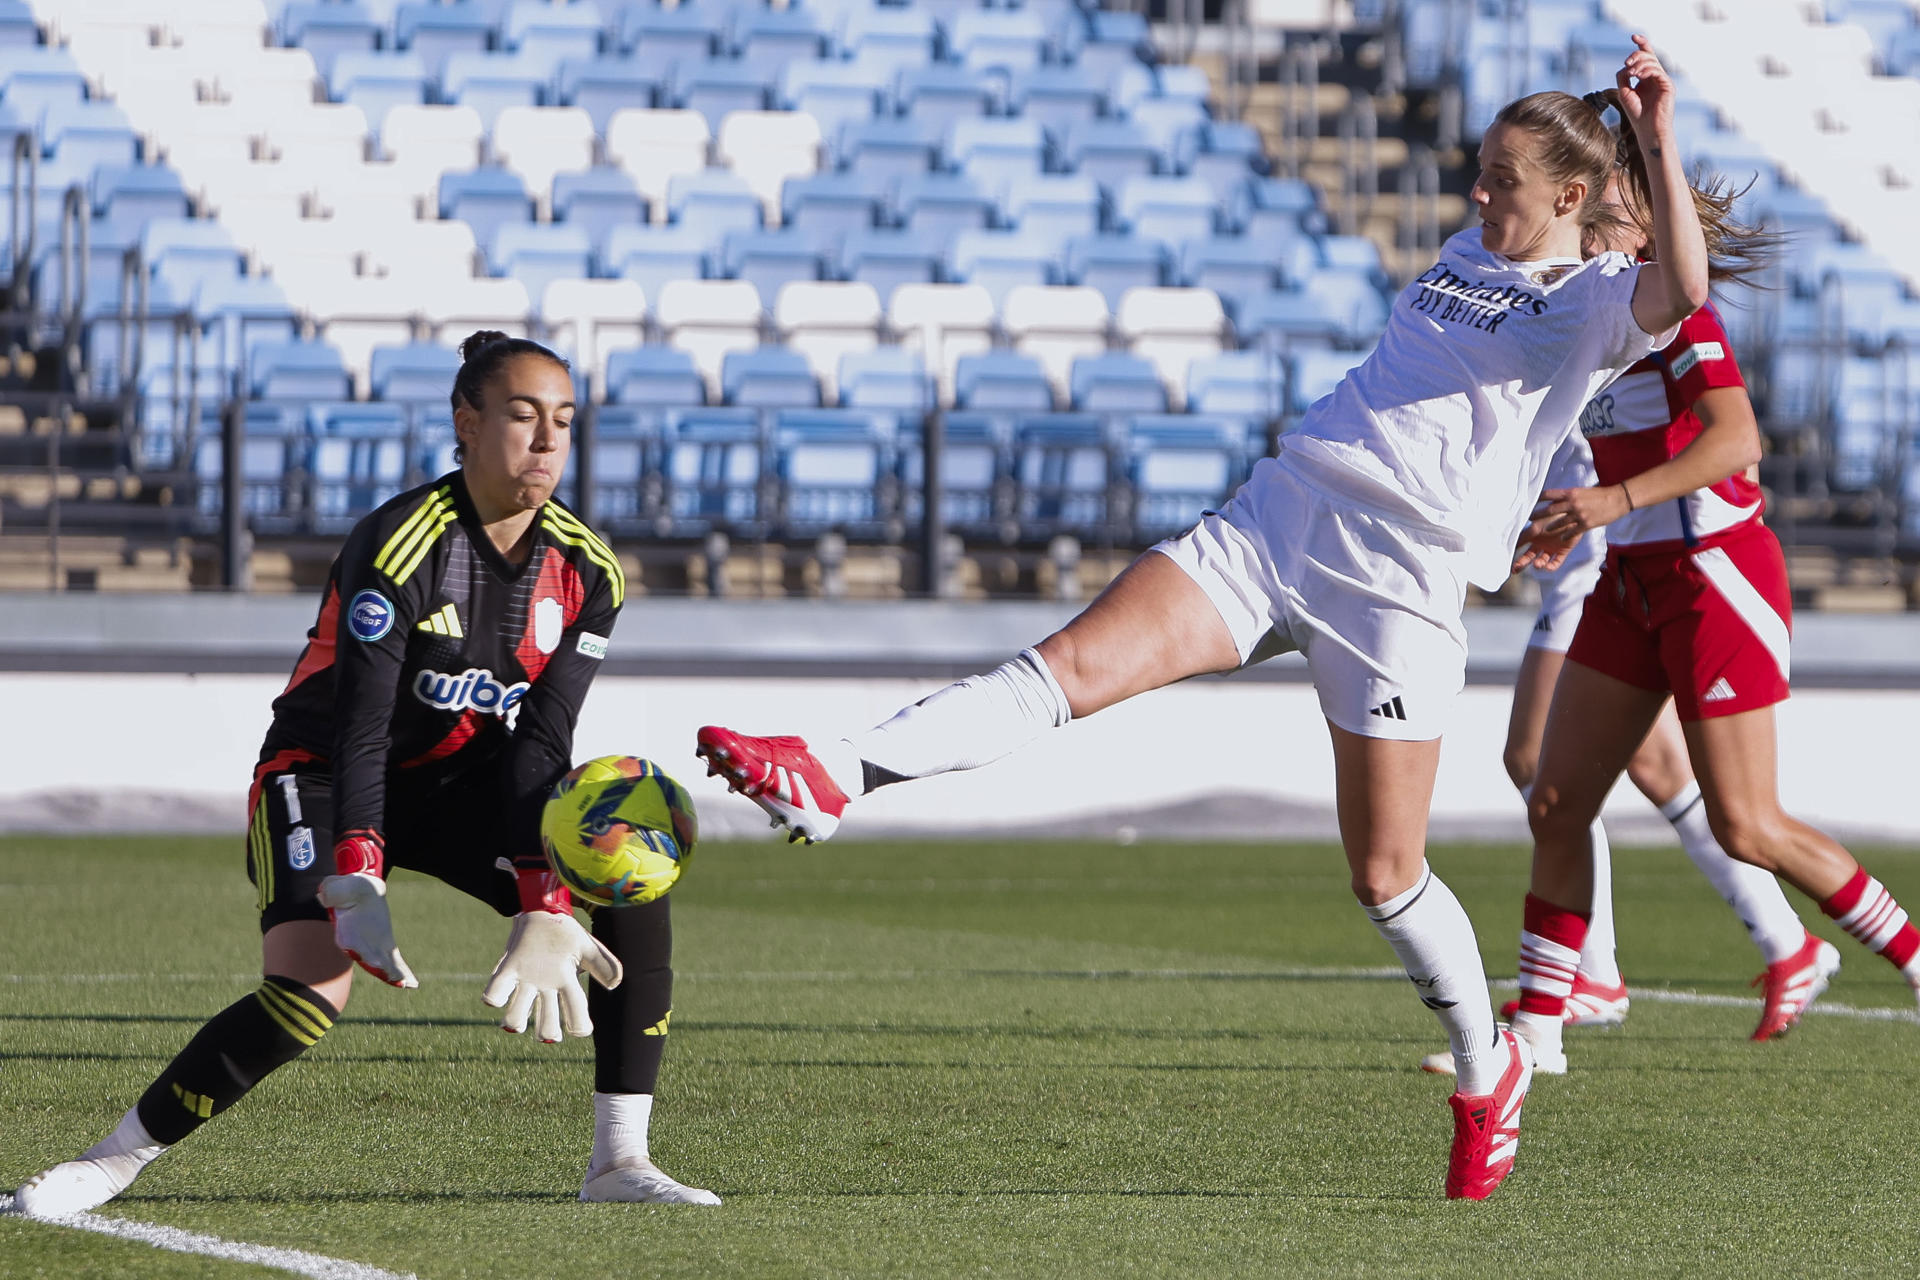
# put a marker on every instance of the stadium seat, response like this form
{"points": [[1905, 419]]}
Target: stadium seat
{"points": [[238, 314], [1226, 155], [718, 86], [182, 251], [1164, 122], [827, 322], [652, 256], [657, 39], [715, 199], [939, 206], [458, 308], [34, 77], [1113, 264], [997, 151], [1056, 326], [427, 141], [1063, 475], [888, 39], [273, 445], [537, 254], [714, 460], [357, 313], [1250, 384], [709, 318], [769, 40], [432, 30], [1180, 466], [1316, 373], [833, 93], [887, 149], [1108, 151], [1013, 39], [768, 377], [1235, 267], [1054, 208], [1000, 260], [766, 148], [1116, 382], [85, 134], [1352, 299], [656, 147], [539, 142], [1116, 38], [358, 460], [940, 94], [379, 82], [326, 138], [597, 201], [769, 260], [326, 30], [1172, 328], [889, 260], [606, 84], [485, 199], [944, 322], [417, 371], [1171, 210], [660, 377], [1001, 380], [1355, 254], [976, 486], [492, 82], [426, 254], [886, 378], [133, 194], [298, 371], [826, 206], [586, 318], [544, 35], [832, 470]]}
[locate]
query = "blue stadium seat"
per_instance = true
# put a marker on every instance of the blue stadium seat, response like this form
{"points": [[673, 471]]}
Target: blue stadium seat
{"points": [[238, 314], [298, 371], [1114, 264], [716, 86], [367, 419], [715, 199], [1227, 156], [1059, 97], [1250, 384], [17, 27], [492, 82], [1015, 39], [1164, 122], [1172, 210], [655, 255], [1352, 299], [274, 443], [1001, 260], [358, 460], [832, 467], [419, 371], [885, 378], [598, 200], [1001, 380], [1286, 320], [603, 85], [1063, 475], [888, 258], [713, 469], [769, 40], [661, 377], [626, 447], [1235, 267], [133, 194], [379, 82], [657, 38], [940, 206], [536, 254], [976, 474], [827, 206], [183, 251], [889, 38], [1109, 152], [327, 30], [769, 259], [996, 151], [1316, 373], [1279, 207], [433, 30], [86, 134], [544, 35], [768, 377], [1179, 466], [486, 199], [887, 148], [1054, 208], [33, 77], [1116, 38], [1357, 254], [1117, 382], [1181, 82], [941, 94], [833, 92]]}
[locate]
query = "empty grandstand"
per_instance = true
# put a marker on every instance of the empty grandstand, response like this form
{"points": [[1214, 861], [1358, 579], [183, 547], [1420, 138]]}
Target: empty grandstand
{"points": [[1072, 269]]}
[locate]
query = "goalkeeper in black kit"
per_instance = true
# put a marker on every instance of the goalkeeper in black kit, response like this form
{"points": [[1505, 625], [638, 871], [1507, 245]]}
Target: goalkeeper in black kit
{"points": [[428, 717]]}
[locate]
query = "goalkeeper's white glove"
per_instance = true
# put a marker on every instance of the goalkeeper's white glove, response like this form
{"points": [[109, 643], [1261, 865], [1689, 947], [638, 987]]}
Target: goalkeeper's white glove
{"points": [[356, 899], [546, 949]]}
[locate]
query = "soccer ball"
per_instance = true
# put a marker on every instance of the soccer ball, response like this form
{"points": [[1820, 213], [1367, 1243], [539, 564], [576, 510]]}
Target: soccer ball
{"points": [[618, 831]]}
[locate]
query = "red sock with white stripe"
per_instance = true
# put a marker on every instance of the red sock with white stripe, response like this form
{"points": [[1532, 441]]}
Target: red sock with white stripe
{"points": [[1865, 909], [1550, 942]]}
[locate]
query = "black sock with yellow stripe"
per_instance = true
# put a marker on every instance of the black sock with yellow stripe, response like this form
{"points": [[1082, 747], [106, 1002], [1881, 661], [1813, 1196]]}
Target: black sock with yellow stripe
{"points": [[236, 1050]]}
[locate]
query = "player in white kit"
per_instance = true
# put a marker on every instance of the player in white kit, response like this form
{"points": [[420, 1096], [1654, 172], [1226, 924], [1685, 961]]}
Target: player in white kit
{"points": [[1355, 544]]}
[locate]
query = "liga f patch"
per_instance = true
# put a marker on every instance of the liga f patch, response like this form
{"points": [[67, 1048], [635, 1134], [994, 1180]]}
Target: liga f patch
{"points": [[1684, 363]]}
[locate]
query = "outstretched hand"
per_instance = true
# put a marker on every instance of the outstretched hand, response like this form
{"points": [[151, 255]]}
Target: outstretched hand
{"points": [[1562, 518], [1646, 93]]}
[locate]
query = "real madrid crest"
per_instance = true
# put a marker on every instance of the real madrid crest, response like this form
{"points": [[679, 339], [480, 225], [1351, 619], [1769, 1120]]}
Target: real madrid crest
{"points": [[1548, 275]]}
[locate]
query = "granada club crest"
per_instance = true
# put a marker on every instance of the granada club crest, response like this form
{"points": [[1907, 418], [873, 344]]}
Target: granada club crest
{"points": [[548, 623]]}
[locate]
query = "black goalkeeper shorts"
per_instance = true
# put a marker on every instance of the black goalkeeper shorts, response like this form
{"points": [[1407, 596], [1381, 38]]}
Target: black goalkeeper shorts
{"points": [[451, 827]]}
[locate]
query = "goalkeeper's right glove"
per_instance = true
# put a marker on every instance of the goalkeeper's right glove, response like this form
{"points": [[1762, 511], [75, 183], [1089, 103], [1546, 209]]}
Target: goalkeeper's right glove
{"points": [[355, 897]]}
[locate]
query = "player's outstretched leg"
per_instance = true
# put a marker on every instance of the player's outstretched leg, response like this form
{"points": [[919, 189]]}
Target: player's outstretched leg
{"points": [[781, 775], [228, 1056], [630, 1025]]}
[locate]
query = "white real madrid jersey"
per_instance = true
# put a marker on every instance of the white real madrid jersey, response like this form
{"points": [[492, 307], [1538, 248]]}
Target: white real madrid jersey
{"points": [[1482, 371]]}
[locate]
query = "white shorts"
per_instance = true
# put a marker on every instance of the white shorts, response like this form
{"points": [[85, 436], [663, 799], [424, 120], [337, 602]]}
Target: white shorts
{"points": [[1564, 592], [1375, 611]]}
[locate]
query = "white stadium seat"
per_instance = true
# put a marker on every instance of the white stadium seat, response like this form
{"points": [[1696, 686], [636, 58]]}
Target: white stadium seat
{"points": [[1055, 325], [707, 319], [589, 318], [768, 147], [824, 321], [943, 322], [456, 309], [538, 142], [1172, 328], [655, 147]]}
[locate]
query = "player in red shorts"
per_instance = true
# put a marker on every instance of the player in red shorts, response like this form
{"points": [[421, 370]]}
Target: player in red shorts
{"points": [[1692, 603]]}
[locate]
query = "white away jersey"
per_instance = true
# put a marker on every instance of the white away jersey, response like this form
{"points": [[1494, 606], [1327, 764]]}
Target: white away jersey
{"points": [[1481, 373]]}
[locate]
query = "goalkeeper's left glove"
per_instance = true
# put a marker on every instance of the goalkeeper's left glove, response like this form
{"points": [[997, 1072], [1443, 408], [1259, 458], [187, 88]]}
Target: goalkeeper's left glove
{"points": [[546, 949], [355, 897]]}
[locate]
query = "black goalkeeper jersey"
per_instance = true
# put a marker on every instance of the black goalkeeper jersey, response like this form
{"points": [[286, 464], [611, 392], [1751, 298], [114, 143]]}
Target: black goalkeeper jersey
{"points": [[433, 653]]}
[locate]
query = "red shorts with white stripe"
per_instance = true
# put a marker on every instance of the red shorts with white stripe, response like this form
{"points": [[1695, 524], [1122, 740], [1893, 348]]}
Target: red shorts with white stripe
{"points": [[1710, 625]]}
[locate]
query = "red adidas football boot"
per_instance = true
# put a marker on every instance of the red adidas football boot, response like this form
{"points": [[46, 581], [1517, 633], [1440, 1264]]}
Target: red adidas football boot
{"points": [[781, 776], [1486, 1127], [1793, 984]]}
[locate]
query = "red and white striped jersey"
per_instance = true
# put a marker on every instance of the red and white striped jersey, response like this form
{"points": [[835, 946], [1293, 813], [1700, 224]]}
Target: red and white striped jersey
{"points": [[1646, 418]]}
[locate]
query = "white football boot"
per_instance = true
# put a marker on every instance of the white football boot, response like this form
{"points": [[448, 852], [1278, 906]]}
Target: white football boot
{"points": [[76, 1186], [639, 1182]]}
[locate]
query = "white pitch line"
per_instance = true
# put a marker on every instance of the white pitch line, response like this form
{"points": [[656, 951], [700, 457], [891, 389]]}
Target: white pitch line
{"points": [[174, 1240]]}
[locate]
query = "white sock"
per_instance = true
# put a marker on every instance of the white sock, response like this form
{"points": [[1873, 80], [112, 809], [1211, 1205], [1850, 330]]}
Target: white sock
{"points": [[963, 726], [1597, 959], [1754, 894], [619, 1128], [125, 1151], [1428, 929]]}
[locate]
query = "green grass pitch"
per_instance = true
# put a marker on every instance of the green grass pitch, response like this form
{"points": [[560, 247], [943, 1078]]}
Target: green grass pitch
{"points": [[948, 1059]]}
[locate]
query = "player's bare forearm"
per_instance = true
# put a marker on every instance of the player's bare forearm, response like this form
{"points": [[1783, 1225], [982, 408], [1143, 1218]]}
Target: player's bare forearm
{"points": [[1676, 285], [1728, 443]]}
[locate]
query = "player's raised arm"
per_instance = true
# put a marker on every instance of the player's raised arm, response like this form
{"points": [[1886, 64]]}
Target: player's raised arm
{"points": [[1674, 286]]}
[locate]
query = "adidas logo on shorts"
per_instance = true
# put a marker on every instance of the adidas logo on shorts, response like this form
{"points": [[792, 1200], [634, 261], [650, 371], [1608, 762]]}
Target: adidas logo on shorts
{"points": [[1392, 710], [1720, 691]]}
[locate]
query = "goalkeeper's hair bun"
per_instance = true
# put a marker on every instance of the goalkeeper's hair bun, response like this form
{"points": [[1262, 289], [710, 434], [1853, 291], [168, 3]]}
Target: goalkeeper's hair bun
{"points": [[481, 356]]}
